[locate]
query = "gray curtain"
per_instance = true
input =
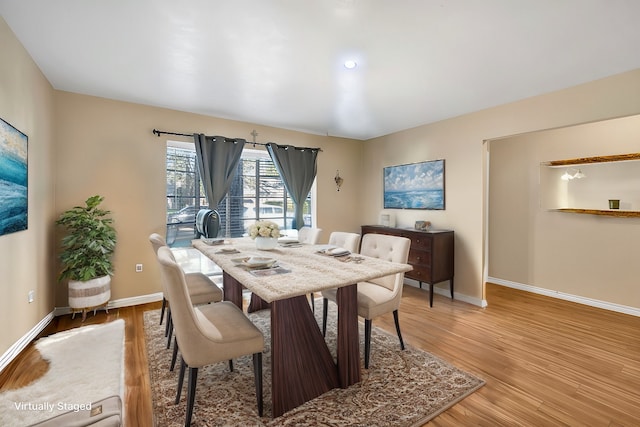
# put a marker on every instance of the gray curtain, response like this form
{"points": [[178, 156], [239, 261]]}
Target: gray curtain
{"points": [[297, 168], [217, 159]]}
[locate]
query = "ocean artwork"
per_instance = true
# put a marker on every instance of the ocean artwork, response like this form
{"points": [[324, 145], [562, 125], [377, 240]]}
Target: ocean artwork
{"points": [[13, 179], [414, 186]]}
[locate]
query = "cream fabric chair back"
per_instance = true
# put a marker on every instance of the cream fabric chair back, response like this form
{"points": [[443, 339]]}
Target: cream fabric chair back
{"points": [[182, 311], [388, 248], [348, 241], [157, 241], [309, 235]]}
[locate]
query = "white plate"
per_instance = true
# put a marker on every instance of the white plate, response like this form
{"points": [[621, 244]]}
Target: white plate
{"points": [[228, 250], [338, 252], [255, 262], [287, 240], [213, 240]]}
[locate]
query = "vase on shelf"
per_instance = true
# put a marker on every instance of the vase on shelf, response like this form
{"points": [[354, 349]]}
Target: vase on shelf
{"points": [[266, 243]]}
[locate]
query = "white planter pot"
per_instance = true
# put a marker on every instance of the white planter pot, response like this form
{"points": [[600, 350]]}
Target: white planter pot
{"points": [[266, 243], [89, 295]]}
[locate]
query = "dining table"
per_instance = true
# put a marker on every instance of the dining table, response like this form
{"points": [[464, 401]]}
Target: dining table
{"points": [[302, 365]]}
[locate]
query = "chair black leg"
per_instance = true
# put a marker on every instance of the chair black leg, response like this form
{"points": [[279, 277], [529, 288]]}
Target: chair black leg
{"points": [[257, 372], [231, 365], [168, 331], [168, 324], [164, 307], [175, 354], [325, 310], [191, 395], [169, 336], [183, 365], [367, 342], [395, 318]]}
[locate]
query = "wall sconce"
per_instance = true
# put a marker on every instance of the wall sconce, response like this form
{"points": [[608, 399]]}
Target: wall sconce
{"points": [[568, 175], [339, 180]]}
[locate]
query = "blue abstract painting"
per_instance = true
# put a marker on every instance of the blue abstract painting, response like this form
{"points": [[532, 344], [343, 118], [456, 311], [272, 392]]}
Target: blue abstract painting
{"points": [[13, 179], [414, 186]]}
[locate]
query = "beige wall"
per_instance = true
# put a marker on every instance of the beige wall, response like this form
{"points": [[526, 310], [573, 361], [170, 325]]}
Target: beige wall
{"points": [[26, 101], [107, 147], [460, 142], [96, 146], [584, 255]]}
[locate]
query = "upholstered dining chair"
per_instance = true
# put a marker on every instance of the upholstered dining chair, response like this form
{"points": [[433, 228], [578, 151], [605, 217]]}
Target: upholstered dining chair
{"points": [[207, 334], [309, 235], [378, 296], [348, 241], [341, 239], [202, 290]]}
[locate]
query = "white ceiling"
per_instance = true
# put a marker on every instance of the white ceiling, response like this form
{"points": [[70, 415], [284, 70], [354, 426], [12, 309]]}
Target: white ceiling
{"points": [[280, 62]]}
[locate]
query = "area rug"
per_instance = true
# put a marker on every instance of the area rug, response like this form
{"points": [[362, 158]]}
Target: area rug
{"points": [[400, 388], [86, 364]]}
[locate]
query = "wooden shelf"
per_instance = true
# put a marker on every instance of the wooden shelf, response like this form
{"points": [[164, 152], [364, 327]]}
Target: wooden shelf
{"points": [[606, 176], [598, 159], [612, 212]]}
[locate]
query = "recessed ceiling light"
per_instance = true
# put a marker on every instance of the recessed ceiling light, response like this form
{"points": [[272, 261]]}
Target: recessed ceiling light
{"points": [[350, 64]]}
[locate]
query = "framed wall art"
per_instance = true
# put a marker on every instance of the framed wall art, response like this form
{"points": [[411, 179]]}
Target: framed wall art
{"points": [[415, 186], [13, 179]]}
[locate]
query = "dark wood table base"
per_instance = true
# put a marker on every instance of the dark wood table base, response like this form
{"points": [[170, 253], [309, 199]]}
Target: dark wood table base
{"points": [[257, 303], [348, 338], [301, 364]]}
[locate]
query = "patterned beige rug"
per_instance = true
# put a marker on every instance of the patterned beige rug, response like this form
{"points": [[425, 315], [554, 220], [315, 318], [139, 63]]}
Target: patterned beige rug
{"points": [[400, 388]]}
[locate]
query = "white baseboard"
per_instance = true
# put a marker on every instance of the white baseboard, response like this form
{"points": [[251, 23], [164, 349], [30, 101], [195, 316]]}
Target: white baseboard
{"points": [[619, 308], [123, 302], [447, 293], [20, 345]]}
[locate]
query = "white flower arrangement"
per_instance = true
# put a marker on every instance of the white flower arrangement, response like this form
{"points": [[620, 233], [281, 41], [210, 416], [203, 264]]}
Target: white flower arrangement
{"points": [[264, 229]]}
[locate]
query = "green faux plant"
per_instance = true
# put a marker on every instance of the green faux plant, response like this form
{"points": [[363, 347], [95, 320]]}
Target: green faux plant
{"points": [[87, 249]]}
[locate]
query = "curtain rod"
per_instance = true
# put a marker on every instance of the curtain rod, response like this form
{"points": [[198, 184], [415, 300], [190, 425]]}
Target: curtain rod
{"points": [[190, 135]]}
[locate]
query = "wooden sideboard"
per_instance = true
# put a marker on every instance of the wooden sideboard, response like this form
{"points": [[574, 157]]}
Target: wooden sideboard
{"points": [[430, 254]]}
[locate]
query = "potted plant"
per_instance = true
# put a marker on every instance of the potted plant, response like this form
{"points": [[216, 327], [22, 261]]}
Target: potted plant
{"points": [[86, 257]]}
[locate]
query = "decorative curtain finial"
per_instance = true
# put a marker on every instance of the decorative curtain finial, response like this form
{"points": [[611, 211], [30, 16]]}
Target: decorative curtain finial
{"points": [[339, 180]]}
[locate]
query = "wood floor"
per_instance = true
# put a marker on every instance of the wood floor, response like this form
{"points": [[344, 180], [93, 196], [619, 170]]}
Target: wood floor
{"points": [[546, 362]]}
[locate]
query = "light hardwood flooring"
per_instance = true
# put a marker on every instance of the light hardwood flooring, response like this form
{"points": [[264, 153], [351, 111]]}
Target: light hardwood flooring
{"points": [[546, 362]]}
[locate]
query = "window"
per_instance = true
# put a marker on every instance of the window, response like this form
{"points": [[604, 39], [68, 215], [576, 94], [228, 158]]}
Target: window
{"points": [[257, 192]]}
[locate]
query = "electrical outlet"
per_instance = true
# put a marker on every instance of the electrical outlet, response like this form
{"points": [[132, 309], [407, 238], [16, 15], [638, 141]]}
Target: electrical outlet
{"points": [[31, 296], [138, 268]]}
